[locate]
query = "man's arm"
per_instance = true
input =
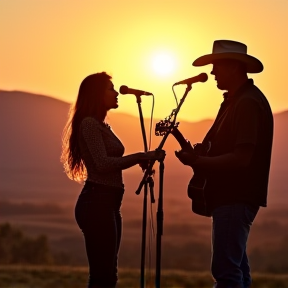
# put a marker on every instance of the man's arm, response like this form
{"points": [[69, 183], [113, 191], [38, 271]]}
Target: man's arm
{"points": [[238, 159]]}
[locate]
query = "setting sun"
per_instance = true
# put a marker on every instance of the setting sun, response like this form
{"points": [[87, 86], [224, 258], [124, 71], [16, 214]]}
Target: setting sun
{"points": [[163, 63]]}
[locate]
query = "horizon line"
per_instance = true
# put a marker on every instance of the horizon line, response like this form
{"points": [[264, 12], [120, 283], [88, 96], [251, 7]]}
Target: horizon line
{"points": [[125, 113]]}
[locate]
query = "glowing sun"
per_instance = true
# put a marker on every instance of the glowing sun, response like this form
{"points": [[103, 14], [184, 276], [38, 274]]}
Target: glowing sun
{"points": [[163, 63]]}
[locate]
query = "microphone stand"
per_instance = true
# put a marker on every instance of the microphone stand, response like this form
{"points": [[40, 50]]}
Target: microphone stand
{"points": [[160, 218], [168, 126], [151, 185]]}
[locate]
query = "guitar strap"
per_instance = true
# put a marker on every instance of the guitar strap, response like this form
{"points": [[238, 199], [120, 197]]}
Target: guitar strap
{"points": [[197, 183], [222, 113]]}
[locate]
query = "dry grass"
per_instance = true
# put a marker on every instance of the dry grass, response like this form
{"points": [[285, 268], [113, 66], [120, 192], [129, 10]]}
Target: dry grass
{"points": [[76, 277]]}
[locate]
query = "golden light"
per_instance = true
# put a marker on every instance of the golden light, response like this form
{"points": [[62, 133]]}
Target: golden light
{"points": [[163, 63]]}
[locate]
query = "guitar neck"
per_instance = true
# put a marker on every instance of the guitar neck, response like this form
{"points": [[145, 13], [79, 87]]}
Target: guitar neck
{"points": [[184, 143]]}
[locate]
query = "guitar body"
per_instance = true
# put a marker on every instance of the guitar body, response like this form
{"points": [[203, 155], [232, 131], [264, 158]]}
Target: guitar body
{"points": [[196, 194], [196, 186]]}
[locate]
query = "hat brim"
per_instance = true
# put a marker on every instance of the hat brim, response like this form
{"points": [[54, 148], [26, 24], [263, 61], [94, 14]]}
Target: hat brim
{"points": [[253, 65]]}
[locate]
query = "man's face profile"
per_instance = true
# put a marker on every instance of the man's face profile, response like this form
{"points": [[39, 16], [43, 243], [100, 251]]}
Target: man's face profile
{"points": [[224, 71]]}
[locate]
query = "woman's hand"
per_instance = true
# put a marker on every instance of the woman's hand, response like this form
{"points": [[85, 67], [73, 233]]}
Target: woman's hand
{"points": [[145, 158], [155, 155]]}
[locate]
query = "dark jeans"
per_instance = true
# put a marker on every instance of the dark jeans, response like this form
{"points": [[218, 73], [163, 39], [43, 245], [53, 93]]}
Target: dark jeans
{"points": [[97, 213], [231, 226]]}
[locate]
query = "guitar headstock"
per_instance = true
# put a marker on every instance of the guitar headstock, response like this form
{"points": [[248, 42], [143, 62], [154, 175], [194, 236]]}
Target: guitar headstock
{"points": [[164, 126]]}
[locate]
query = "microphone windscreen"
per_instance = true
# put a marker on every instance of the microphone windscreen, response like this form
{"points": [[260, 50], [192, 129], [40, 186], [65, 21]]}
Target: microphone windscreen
{"points": [[203, 77], [123, 89]]}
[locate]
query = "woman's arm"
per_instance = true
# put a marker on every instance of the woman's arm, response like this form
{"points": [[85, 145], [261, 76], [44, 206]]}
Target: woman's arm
{"points": [[92, 135]]}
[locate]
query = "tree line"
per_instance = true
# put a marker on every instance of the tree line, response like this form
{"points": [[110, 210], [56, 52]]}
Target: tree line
{"points": [[18, 248]]}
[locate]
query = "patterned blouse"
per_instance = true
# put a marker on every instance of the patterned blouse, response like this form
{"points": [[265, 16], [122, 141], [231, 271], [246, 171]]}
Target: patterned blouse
{"points": [[102, 153]]}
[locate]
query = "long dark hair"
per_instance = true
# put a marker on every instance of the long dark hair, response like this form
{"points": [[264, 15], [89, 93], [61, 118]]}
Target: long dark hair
{"points": [[89, 103]]}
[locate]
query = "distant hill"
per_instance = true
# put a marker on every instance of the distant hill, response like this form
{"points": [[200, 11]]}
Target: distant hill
{"points": [[31, 127]]}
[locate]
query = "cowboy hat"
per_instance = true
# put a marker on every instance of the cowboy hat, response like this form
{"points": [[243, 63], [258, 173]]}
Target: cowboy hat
{"points": [[227, 49]]}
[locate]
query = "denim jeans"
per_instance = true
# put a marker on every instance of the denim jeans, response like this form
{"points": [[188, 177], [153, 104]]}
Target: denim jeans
{"points": [[231, 226], [97, 213]]}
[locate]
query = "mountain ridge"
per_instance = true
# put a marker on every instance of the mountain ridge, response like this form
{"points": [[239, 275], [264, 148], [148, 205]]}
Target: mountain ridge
{"points": [[32, 127]]}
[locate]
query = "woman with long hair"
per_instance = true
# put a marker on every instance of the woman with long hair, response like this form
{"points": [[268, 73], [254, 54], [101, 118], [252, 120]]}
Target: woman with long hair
{"points": [[93, 154]]}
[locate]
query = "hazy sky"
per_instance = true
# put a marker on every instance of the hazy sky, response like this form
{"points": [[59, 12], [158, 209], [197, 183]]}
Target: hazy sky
{"points": [[50, 46]]}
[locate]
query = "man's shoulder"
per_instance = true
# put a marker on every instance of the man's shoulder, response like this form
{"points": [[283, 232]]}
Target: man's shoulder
{"points": [[252, 94], [252, 91]]}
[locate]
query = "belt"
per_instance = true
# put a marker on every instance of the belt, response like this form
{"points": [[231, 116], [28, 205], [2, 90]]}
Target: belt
{"points": [[102, 187]]}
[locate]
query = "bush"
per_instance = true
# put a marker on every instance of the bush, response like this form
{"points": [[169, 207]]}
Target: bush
{"points": [[16, 248]]}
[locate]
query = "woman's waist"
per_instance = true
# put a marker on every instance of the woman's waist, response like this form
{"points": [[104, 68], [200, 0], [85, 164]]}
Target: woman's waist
{"points": [[103, 187], [101, 197], [109, 179]]}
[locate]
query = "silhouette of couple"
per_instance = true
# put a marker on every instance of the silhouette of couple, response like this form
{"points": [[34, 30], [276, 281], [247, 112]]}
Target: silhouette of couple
{"points": [[235, 168]]}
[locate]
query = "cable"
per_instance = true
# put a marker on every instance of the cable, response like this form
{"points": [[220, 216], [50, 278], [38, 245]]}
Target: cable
{"points": [[175, 95], [151, 123]]}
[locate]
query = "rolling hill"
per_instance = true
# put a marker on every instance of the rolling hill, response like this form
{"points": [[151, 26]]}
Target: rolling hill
{"points": [[31, 127]]}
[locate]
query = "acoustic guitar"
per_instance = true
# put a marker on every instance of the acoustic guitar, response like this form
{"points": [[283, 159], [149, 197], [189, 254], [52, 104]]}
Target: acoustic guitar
{"points": [[196, 186]]}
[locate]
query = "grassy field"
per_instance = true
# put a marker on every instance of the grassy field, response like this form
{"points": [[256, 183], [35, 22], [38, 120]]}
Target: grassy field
{"points": [[76, 277]]}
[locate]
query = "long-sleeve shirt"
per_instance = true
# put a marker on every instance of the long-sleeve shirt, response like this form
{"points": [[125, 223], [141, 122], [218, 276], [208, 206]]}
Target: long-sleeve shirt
{"points": [[102, 153]]}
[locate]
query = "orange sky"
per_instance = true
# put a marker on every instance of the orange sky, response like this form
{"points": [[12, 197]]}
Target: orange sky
{"points": [[49, 46]]}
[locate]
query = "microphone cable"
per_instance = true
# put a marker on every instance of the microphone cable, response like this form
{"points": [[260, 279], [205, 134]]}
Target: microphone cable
{"points": [[151, 122], [151, 230], [175, 95]]}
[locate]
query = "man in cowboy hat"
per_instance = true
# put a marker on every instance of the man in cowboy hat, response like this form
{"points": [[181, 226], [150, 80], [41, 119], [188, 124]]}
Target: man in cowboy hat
{"points": [[236, 168]]}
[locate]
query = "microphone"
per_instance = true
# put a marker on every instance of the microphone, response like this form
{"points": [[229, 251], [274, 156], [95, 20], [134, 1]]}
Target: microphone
{"points": [[199, 78], [125, 90]]}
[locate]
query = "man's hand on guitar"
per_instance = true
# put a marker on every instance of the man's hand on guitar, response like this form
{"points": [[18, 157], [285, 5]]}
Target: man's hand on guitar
{"points": [[184, 143], [187, 158]]}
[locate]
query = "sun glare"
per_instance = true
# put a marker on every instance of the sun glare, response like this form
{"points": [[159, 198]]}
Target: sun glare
{"points": [[163, 64]]}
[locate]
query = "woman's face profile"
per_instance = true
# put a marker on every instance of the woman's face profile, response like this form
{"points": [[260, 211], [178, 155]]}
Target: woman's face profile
{"points": [[110, 96]]}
